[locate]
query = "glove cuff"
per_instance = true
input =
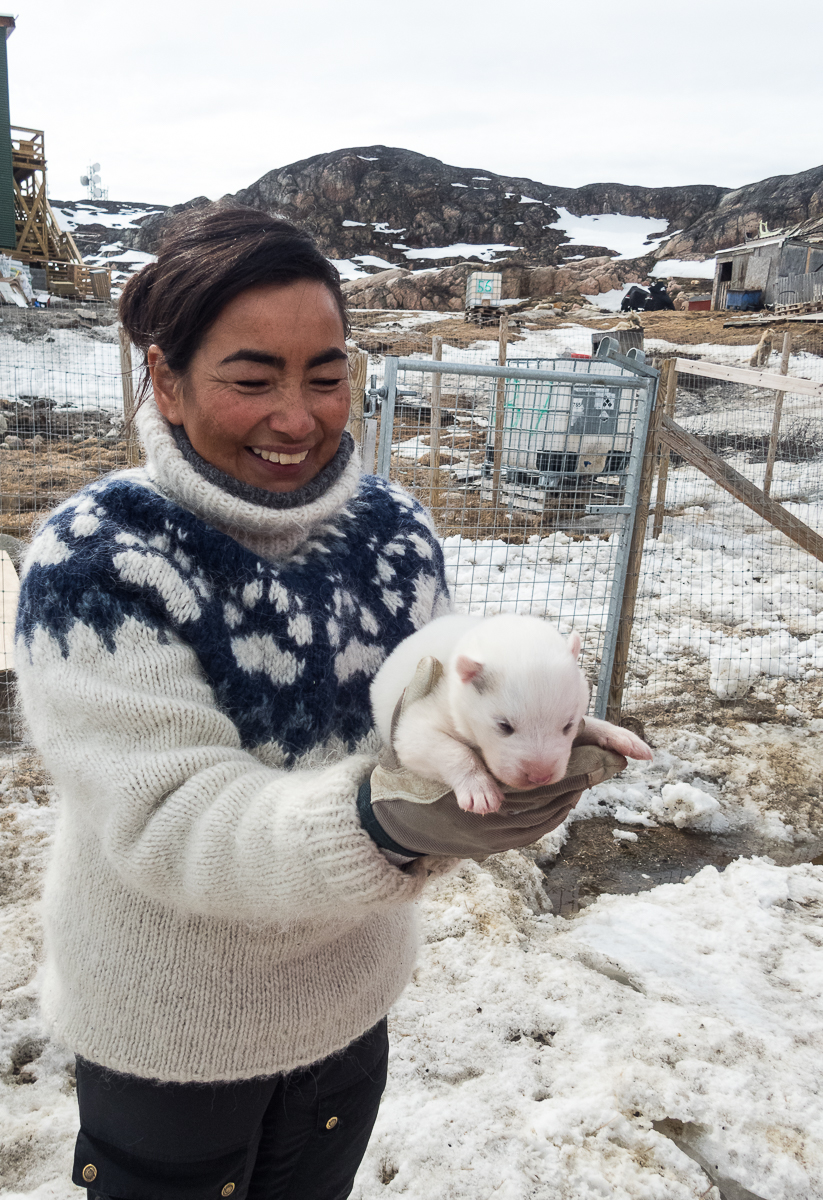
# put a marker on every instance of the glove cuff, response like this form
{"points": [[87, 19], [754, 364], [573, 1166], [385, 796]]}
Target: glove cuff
{"points": [[373, 827]]}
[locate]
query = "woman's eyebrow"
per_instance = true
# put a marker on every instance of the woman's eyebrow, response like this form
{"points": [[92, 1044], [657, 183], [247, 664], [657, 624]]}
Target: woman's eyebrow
{"points": [[327, 356], [277, 360], [255, 356]]}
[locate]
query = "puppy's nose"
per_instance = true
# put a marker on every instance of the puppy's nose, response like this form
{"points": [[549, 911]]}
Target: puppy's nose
{"points": [[538, 775]]}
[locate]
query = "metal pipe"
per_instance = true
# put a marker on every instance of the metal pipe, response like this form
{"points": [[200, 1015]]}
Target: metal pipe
{"points": [[583, 377]]}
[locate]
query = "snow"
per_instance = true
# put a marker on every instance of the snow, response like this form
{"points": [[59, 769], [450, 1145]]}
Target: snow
{"points": [[72, 368], [531, 200], [687, 806], [679, 268], [612, 299], [631, 237], [127, 256], [485, 252], [351, 224], [352, 268], [533, 1057], [88, 213]]}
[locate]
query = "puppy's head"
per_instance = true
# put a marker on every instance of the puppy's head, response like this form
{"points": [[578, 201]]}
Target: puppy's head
{"points": [[517, 693]]}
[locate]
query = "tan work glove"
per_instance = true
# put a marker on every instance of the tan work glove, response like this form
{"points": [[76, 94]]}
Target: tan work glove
{"points": [[411, 816]]}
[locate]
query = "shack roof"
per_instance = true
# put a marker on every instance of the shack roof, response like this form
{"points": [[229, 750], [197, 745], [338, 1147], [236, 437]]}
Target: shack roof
{"points": [[776, 239]]}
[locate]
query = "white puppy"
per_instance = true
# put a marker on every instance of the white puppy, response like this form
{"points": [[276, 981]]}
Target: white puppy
{"points": [[506, 710]]}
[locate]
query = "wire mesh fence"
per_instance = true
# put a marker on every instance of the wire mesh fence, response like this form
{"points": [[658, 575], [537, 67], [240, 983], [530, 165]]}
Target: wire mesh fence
{"points": [[531, 475], [61, 408], [729, 612]]}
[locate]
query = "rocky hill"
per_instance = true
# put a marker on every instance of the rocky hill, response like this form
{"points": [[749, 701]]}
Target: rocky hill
{"points": [[388, 216], [381, 201]]}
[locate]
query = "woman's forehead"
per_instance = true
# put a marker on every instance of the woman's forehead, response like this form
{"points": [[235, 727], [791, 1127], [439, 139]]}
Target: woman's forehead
{"points": [[282, 321]]}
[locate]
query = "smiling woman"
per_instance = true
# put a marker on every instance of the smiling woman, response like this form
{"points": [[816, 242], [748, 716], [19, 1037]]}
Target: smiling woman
{"points": [[196, 641]]}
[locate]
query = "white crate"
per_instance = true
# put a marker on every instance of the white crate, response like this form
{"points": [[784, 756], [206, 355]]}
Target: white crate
{"points": [[484, 289]]}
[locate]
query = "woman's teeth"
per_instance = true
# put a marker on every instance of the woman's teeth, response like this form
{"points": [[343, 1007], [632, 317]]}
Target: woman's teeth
{"points": [[284, 459]]}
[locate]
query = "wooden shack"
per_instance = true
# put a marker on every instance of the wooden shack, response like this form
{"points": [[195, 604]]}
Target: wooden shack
{"points": [[786, 271]]}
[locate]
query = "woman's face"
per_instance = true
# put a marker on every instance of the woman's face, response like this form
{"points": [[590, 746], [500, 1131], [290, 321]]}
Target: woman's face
{"points": [[266, 396]]}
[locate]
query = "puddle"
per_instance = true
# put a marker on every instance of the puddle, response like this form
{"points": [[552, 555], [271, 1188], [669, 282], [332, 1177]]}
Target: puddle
{"points": [[592, 862]]}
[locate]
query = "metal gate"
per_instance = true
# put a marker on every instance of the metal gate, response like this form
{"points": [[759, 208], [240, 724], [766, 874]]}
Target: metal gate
{"points": [[547, 462]]}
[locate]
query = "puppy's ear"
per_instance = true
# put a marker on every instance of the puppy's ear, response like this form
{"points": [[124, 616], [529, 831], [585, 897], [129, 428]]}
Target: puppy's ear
{"points": [[574, 644], [470, 670]]}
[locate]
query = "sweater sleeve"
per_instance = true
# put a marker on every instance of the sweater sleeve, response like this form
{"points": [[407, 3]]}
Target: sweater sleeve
{"points": [[151, 767]]}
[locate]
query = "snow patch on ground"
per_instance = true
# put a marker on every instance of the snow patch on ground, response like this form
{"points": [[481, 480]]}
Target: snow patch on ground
{"points": [[533, 1058]]}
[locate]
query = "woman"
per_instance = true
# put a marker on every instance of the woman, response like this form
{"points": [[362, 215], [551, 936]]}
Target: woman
{"points": [[196, 639]]}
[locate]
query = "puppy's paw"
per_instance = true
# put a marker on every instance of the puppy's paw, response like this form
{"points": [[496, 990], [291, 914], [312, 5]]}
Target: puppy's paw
{"points": [[624, 742], [613, 737], [479, 795]]}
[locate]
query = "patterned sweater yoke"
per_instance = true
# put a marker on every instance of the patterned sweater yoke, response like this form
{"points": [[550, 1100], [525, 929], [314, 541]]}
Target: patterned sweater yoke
{"points": [[194, 665]]}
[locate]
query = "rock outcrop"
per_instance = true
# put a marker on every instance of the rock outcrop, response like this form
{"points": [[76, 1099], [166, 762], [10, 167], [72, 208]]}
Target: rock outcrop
{"points": [[445, 290], [782, 202], [382, 201]]}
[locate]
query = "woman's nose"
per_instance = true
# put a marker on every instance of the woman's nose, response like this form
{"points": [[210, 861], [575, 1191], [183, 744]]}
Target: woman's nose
{"points": [[292, 417]]}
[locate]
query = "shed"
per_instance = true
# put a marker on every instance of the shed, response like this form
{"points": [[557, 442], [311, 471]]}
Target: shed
{"points": [[779, 266]]}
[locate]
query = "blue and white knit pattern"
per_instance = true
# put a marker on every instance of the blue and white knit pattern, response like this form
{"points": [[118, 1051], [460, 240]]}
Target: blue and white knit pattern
{"points": [[194, 668], [289, 648]]}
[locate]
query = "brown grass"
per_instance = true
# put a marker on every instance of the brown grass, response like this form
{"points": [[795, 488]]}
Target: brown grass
{"points": [[34, 480]]}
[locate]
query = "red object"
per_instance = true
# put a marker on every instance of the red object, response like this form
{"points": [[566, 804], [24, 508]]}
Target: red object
{"points": [[573, 355], [699, 305]]}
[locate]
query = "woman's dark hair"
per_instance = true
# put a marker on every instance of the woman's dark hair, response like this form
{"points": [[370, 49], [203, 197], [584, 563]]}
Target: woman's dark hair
{"points": [[206, 258]]}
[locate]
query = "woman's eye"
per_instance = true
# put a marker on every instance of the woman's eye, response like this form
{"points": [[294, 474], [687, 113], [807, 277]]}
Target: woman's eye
{"points": [[328, 383], [505, 728]]}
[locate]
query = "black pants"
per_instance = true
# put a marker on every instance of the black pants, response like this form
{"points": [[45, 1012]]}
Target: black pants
{"points": [[298, 1136]]}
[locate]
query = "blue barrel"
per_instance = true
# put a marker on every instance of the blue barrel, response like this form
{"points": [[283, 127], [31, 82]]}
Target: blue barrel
{"points": [[745, 301]]}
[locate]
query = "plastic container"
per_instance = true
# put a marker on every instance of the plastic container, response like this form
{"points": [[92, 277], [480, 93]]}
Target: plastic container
{"points": [[745, 301]]}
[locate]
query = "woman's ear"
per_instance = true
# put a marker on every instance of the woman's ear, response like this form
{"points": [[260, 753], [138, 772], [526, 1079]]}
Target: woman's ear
{"points": [[165, 386]]}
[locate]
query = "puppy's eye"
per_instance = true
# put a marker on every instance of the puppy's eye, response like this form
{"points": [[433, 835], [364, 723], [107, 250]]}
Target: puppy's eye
{"points": [[568, 728], [505, 728]]}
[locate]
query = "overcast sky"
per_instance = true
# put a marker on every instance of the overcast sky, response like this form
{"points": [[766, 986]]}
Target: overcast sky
{"points": [[179, 98]]}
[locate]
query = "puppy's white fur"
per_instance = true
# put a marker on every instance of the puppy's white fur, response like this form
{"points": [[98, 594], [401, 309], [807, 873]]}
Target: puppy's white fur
{"points": [[506, 711]]}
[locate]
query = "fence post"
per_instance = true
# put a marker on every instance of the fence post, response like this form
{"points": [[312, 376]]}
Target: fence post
{"points": [[436, 498], [641, 516], [387, 417], [778, 411], [358, 366], [132, 445], [670, 370], [499, 410]]}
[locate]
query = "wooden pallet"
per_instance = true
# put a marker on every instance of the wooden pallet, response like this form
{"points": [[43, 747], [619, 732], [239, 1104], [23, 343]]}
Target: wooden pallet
{"points": [[808, 306], [485, 314]]}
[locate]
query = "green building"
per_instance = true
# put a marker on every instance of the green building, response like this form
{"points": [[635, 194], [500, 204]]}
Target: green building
{"points": [[8, 234]]}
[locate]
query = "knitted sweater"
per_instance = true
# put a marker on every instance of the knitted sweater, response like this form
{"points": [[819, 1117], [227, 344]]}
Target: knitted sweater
{"points": [[214, 909]]}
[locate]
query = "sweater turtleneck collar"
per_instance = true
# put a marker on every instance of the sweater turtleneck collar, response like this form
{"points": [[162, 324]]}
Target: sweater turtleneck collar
{"points": [[273, 524]]}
